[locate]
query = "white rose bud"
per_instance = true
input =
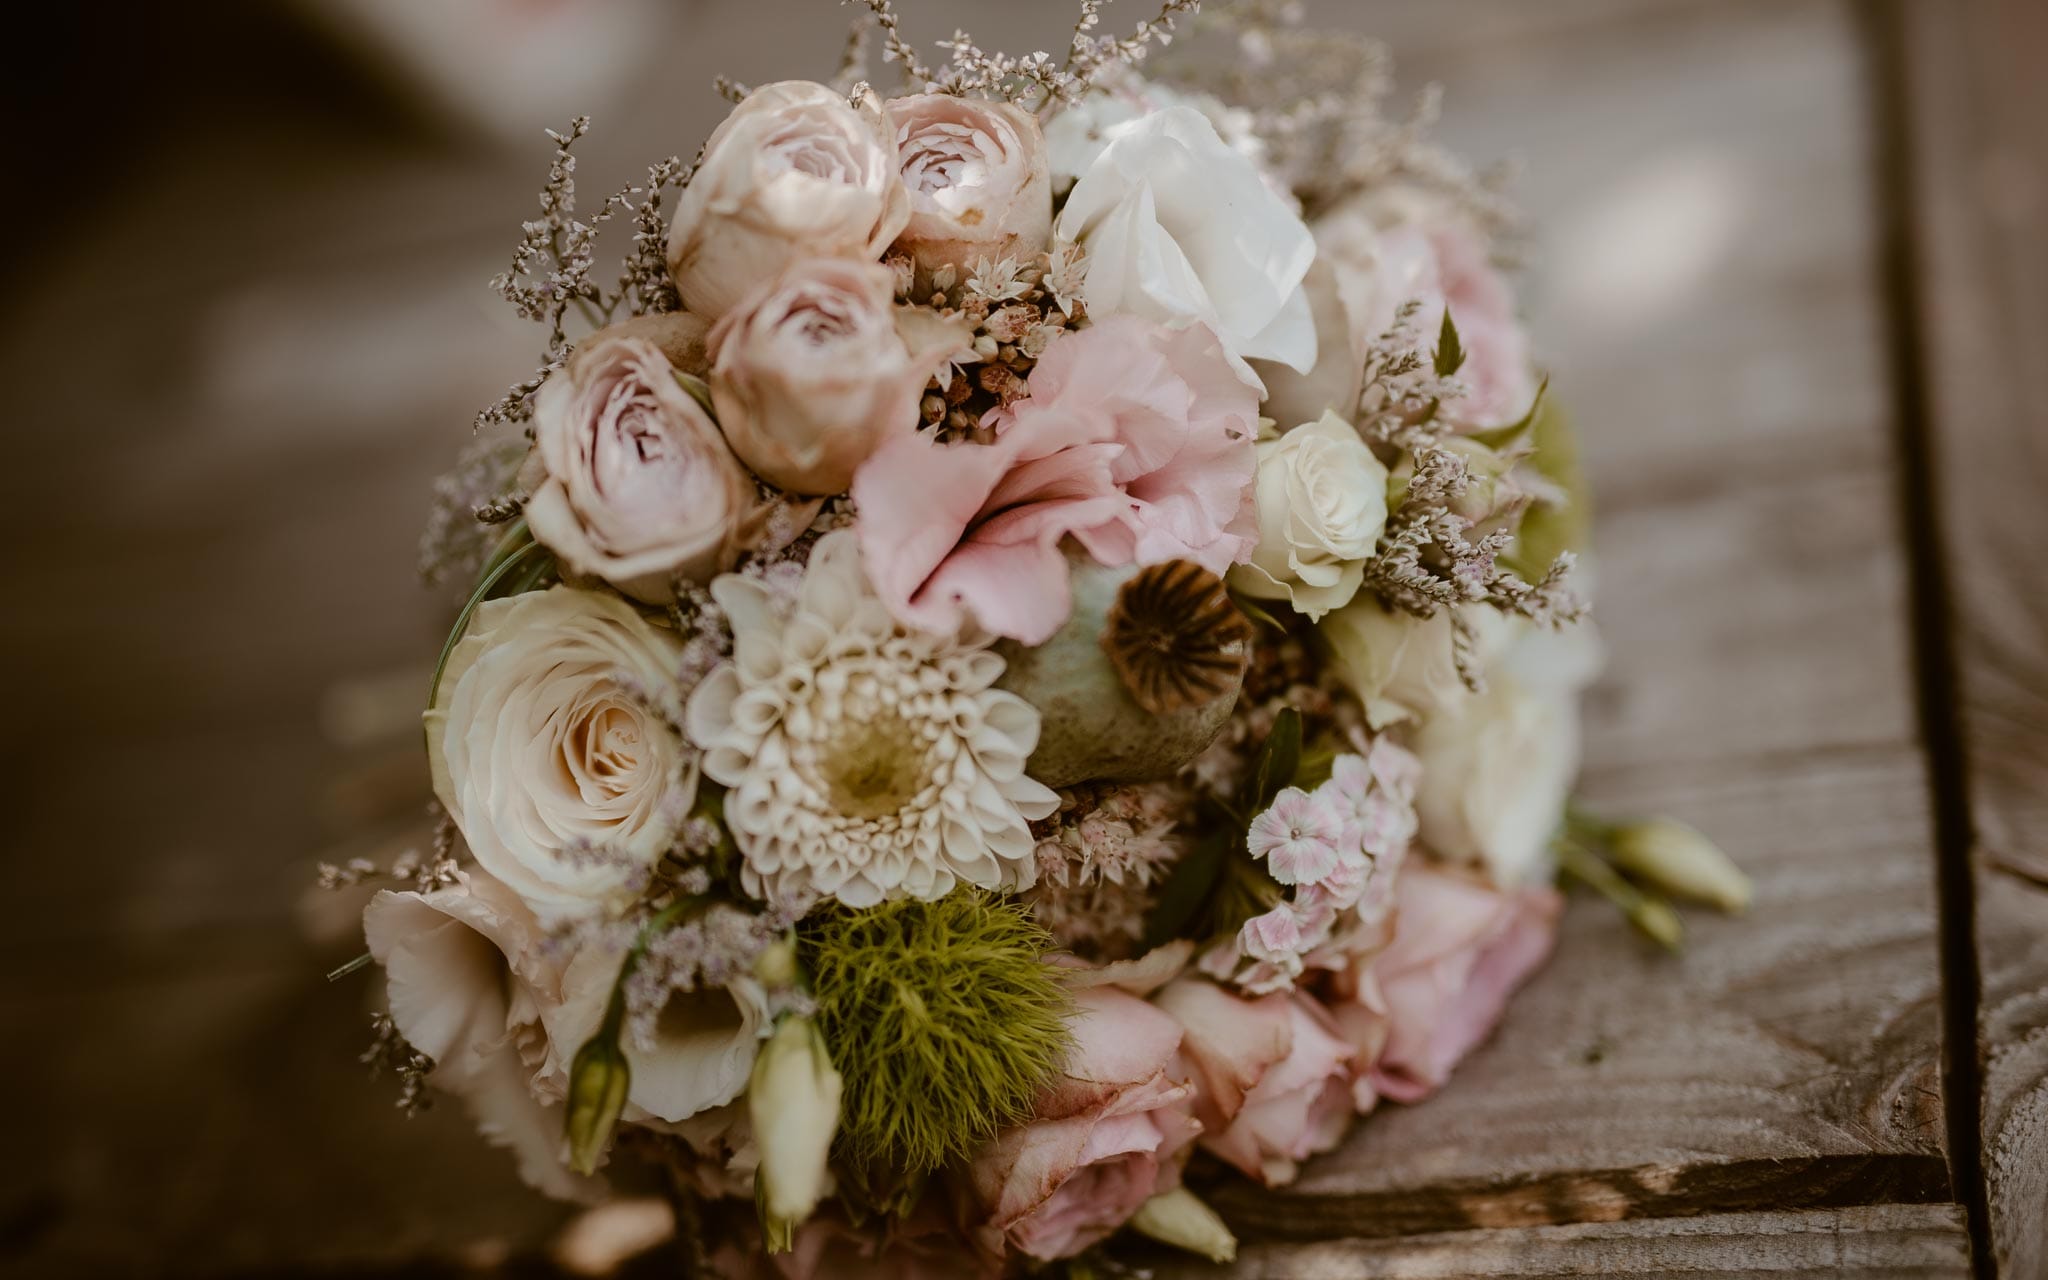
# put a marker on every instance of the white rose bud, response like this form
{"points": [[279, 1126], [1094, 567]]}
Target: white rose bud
{"points": [[977, 177], [1681, 861], [1322, 503], [638, 486], [794, 172], [811, 373], [1179, 1218], [793, 1102]]}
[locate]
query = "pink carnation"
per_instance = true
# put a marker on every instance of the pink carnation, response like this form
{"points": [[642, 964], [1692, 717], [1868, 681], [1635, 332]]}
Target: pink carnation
{"points": [[1136, 441], [1299, 835]]}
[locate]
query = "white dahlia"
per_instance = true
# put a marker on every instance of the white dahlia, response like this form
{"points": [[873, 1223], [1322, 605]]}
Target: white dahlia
{"points": [[864, 760]]}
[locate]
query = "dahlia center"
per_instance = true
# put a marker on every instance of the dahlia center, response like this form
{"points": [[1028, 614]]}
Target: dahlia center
{"points": [[872, 766]]}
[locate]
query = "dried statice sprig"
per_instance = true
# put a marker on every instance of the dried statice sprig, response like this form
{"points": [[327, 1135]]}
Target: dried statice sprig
{"points": [[1425, 560], [552, 265], [1317, 99], [390, 1051], [706, 951], [468, 500], [1032, 80]]}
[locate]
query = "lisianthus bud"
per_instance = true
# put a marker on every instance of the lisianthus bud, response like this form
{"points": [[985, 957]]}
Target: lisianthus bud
{"points": [[1179, 1218], [775, 967], [793, 1102], [598, 1080], [1680, 860]]}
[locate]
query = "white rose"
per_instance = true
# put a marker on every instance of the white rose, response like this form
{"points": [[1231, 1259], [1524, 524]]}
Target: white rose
{"points": [[1497, 769], [1322, 502], [566, 783], [468, 982], [811, 373], [1179, 227], [794, 172], [704, 1040], [1403, 667], [1077, 134], [639, 487], [976, 174]]}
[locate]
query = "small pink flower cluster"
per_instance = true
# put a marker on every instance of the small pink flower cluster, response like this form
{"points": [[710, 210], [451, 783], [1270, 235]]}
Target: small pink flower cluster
{"points": [[1336, 851]]}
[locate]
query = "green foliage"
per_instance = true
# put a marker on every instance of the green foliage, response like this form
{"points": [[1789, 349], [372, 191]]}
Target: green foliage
{"points": [[1548, 529], [943, 1018], [518, 565], [1450, 353]]}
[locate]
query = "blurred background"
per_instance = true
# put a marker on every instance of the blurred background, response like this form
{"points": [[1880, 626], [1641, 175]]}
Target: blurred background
{"points": [[246, 322]]}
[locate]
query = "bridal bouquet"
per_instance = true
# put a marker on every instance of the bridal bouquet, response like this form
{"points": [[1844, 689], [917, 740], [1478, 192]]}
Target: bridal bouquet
{"points": [[1026, 640]]}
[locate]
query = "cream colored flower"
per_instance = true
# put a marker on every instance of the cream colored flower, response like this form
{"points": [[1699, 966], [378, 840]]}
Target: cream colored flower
{"points": [[976, 173], [702, 1049], [794, 172], [865, 760], [1497, 768], [640, 488], [468, 981], [1322, 500], [1401, 667], [810, 373], [566, 782], [1181, 228]]}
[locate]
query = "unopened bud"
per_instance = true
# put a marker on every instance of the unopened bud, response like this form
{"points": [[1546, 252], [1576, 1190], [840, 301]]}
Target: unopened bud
{"points": [[1179, 1218], [598, 1080], [793, 1102], [1681, 861], [775, 967]]}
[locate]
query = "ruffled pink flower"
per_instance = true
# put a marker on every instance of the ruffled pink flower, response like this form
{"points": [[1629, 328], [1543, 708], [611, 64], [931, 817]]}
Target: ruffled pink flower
{"points": [[1445, 264], [1272, 1076], [1111, 1134], [1461, 947], [1299, 835], [1136, 441]]}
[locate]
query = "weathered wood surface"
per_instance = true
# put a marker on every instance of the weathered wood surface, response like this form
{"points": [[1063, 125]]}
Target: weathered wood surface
{"points": [[1894, 1242], [1976, 128], [1707, 288]]}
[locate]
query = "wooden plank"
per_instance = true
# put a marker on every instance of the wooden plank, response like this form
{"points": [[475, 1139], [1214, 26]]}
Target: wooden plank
{"points": [[1896, 1241], [1787, 1058], [1976, 130], [1760, 682]]}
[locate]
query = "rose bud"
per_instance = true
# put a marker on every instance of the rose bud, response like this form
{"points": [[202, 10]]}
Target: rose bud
{"points": [[794, 172], [978, 182], [793, 1104], [598, 1080], [1681, 861], [638, 486], [1179, 1218], [810, 373]]}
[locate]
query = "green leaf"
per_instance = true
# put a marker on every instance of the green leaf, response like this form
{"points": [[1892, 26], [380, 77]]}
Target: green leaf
{"points": [[1256, 611], [1516, 434], [1278, 761], [1188, 886], [1450, 354]]}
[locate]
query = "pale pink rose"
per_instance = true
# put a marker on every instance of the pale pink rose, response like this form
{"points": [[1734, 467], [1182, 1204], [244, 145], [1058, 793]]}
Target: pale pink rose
{"points": [[794, 172], [1401, 250], [1110, 1134], [1461, 947], [1134, 441], [1272, 1076], [977, 177], [1298, 835], [810, 372], [639, 488]]}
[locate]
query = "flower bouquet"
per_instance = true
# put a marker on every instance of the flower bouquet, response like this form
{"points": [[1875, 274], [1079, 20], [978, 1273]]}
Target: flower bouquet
{"points": [[1023, 642]]}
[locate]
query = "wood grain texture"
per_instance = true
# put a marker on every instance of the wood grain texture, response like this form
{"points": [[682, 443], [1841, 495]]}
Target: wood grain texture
{"points": [[1759, 682], [1976, 116], [1897, 1242]]}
